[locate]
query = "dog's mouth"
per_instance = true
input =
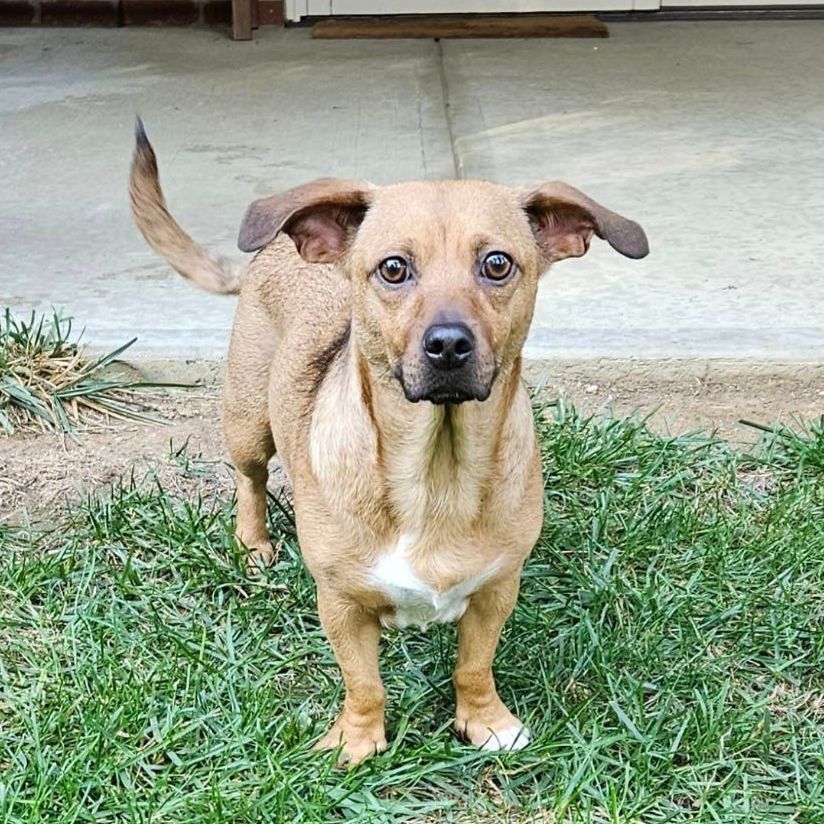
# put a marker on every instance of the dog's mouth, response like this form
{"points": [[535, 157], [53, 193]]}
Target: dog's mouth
{"points": [[441, 397], [440, 390]]}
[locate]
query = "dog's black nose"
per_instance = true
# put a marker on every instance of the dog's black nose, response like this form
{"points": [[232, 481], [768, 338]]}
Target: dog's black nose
{"points": [[448, 345]]}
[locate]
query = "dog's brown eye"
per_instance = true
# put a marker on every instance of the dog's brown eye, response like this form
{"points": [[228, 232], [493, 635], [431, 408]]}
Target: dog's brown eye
{"points": [[496, 266], [394, 271]]}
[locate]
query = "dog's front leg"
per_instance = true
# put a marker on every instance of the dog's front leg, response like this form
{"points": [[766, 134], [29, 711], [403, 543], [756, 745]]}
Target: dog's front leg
{"points": [[480, 714], [354, 634]]}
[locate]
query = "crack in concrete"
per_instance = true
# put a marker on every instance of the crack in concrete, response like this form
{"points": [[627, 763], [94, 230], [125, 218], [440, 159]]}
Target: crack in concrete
{"points": [[457, 166]]}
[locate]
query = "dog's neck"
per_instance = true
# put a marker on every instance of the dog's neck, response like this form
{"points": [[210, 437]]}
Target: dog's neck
{"points": [[438, 463], [416, 467]]}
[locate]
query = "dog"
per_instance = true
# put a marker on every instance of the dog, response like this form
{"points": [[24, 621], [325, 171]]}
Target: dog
{"points": [[376, 347]]}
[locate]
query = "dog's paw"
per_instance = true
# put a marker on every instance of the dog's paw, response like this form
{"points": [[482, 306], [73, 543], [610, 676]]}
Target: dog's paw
{"points": [[515, 737], [502, 732], [357, 743], [259, 558]]}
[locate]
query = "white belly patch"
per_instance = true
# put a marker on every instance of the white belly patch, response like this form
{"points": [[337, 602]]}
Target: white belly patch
{"points": [[416, 601]]}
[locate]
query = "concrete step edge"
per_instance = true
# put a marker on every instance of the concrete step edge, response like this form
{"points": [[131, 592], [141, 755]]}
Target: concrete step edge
{"points": [[210, 371]]}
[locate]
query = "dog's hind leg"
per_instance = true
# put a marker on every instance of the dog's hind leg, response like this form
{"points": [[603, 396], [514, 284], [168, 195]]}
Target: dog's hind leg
{"points": [[251, 529], [247, 428]]}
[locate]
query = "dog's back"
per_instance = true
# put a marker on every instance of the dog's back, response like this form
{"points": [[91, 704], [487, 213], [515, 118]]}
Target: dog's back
{"points": [[309, 304]]}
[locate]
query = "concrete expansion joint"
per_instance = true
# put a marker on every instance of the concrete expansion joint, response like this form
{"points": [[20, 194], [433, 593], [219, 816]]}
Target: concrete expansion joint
{"points": [[457, 166]]}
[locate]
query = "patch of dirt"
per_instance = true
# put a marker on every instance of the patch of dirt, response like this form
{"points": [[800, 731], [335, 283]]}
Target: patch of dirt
{"points": [[39, 473], [693, 403]]}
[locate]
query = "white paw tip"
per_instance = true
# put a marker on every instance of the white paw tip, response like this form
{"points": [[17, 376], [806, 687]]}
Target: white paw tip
{"points": [[514, 738]]}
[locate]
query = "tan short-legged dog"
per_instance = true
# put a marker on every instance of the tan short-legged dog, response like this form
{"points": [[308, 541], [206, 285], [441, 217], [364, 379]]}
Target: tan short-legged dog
{"points": [[377, 346]]}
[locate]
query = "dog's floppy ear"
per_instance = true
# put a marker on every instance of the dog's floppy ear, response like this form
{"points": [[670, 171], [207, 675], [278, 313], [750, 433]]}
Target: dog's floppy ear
{"points": [[563, 221], [320, 217]]}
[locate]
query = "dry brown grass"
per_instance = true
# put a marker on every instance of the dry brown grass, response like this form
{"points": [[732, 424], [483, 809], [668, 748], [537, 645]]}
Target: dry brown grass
{"points": [[48, 383]]}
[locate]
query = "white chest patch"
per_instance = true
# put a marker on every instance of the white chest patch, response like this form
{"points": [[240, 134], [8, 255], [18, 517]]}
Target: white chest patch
{"points": [[416, 601]]}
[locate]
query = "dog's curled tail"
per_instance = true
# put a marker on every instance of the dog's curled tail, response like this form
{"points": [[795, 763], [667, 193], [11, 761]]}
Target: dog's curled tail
{"points": [[211, 272]]}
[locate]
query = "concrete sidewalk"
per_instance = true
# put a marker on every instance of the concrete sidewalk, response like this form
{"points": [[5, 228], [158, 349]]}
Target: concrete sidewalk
{"points": [[710, 134]]}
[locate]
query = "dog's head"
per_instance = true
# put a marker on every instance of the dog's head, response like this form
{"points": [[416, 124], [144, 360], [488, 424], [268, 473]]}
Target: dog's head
{"points": [[444, 275]]}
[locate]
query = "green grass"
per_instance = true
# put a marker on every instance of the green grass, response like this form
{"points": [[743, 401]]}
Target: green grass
{"points": [[667, 652]]}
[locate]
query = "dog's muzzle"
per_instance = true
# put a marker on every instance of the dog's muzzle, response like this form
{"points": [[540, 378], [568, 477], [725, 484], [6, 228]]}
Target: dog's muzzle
{"points": [[447, 370]]}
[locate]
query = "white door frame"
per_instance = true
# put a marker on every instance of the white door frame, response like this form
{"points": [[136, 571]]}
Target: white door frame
{"points": [[296, 9], [709, 4]]}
